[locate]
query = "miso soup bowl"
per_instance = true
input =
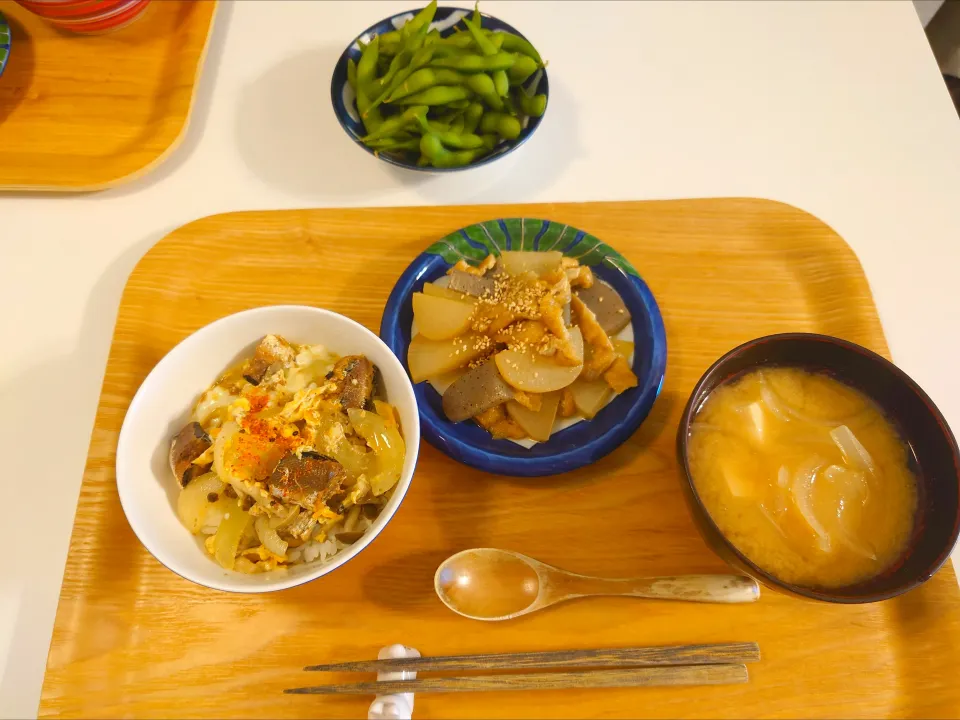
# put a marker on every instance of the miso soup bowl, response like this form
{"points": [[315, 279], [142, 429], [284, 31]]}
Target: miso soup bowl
{"points": [[910, 409]]}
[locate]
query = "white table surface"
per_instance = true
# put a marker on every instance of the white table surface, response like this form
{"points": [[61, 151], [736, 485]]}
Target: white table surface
{"points": [[835, 107]]}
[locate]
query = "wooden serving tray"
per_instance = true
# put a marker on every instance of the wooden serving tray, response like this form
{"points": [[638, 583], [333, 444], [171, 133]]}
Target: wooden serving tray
{"points": [[87, 112], [133, 639]]}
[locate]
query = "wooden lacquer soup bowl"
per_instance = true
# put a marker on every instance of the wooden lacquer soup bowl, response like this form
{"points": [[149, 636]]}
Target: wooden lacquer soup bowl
{"points": [[936, 461]]}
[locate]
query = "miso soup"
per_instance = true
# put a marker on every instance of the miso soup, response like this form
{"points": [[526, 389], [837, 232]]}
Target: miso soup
{"points": [[804, 475]]}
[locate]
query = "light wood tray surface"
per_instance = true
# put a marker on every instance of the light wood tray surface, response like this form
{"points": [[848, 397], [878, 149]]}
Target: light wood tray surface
{"points": [[86, 112], [133, 639]]}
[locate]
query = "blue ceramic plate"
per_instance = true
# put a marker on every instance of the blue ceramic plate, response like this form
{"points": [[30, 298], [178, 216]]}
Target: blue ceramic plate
{"points": [[344, 99], [580, 444], [4, 43]]}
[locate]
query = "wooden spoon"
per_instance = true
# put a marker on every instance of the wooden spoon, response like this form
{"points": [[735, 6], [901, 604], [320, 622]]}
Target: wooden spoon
{"points": [[491, 584]]}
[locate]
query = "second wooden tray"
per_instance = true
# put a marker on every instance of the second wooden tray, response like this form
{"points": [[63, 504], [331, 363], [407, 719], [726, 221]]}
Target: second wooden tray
{"points": [[132, 639], [86, 112]]}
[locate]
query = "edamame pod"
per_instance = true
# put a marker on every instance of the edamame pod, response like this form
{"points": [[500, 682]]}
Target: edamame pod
{"points": [[396, 124], [534, 105], [476, 63], [506, 126], [515, 43], [452, 139], [432, 147], [367, 67], [437, 95], [420, 23], [484, 86], [420, 58], [396, 145], [425, 78], [523, 68], [371, 118], [352, 74], [501, 83], [471, 117], [461, 40]]}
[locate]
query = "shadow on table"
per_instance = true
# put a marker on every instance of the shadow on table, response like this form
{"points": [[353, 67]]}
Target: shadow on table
{"points": [[289, 136]]}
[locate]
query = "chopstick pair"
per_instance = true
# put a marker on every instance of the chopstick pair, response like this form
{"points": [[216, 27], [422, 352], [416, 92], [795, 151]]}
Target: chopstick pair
{"points": [[719, 664]]}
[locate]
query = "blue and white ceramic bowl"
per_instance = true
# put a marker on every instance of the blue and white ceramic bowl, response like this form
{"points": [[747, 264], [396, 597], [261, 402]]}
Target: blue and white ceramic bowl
{"points": [[575, 446], [4, 43], [345, 101]]}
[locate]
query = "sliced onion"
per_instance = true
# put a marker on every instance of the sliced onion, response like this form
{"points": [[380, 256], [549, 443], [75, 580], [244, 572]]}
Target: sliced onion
{"points": [[853, 452], [227, 540], [773, 404], [278, 523], [268, 536], [783, 476], [211, 401], [227, 433], [854, 545], [192, 503], [759, 423], [802, 494], [353, 516], [851, 485], [787, 412]]}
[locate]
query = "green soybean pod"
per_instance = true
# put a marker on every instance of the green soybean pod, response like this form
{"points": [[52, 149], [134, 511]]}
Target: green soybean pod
{"points": [[445, 76], [501, 83], [483, 41], [483, 85], [476, 63], [396, 124], [471, 117], [352, 74], [534, 106], [461, 141], [390, 43], [420, 58], [461, 40], [367, 67], [451, 138], [420, 23], [437, 95], [506, 126], [432, 147], [489, 47], [371, 118], [515, 43], [480, 83], [523, 68], [396, 145], [435, 126], [490, 141], [419, 80]]}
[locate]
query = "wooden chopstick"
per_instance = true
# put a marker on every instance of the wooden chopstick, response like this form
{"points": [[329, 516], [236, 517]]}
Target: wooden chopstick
{"points": [[609, 658], [638, 677]]}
